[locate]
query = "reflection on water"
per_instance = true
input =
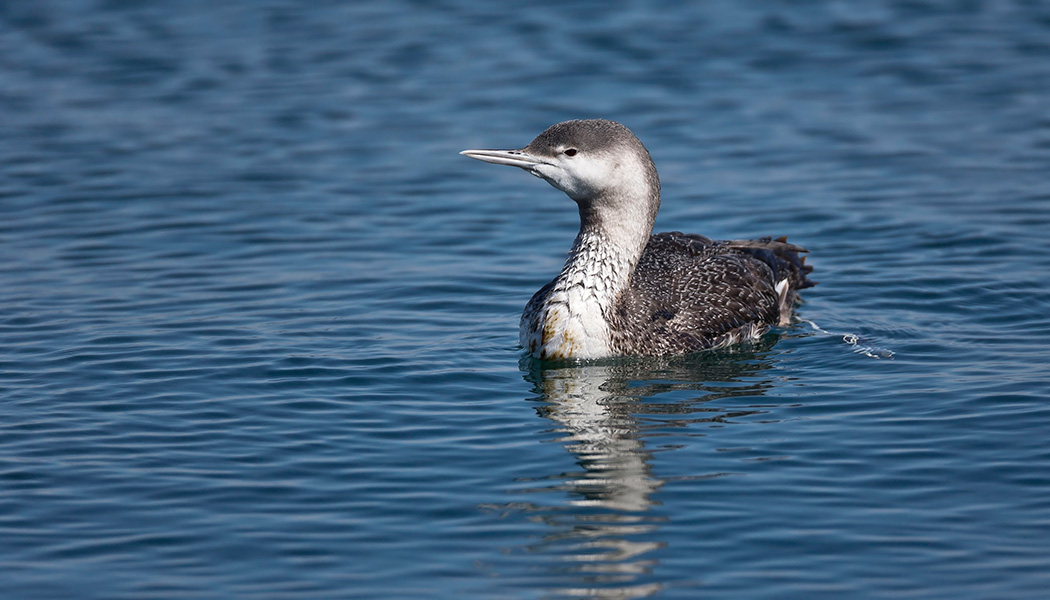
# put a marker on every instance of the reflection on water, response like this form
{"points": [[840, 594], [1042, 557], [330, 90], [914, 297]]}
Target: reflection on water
{"points": [[602, 541]]}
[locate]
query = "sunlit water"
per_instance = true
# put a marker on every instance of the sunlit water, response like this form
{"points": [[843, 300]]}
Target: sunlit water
{"points": [[258, 318]]}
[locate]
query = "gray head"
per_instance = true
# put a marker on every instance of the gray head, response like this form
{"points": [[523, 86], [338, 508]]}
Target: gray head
{"points": [[600, 164]]}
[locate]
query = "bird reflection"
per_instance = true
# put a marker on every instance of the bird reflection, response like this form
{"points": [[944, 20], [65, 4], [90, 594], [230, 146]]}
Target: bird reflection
{"points": [[604, 537]]}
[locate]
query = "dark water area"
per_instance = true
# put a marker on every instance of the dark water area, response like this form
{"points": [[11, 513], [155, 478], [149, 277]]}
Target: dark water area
{"points": [[258, 318]]}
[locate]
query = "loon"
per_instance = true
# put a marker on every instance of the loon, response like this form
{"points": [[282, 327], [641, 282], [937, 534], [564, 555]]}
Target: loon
{"points": [[626, 292]]}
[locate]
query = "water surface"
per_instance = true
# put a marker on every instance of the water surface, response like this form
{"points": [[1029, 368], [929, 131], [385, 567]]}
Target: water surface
{"points": [[258, 318]]}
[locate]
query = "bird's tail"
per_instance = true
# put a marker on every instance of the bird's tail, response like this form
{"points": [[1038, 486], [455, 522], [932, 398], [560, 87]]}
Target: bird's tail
{"points": [[785, 259], [788, 263]]}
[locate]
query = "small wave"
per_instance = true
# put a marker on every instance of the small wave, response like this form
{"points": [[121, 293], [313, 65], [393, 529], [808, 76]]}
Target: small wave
{"points": [[859, 344]]}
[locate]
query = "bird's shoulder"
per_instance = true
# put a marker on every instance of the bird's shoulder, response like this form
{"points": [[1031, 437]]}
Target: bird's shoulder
{"points": [[694, 292], [672, 257]]}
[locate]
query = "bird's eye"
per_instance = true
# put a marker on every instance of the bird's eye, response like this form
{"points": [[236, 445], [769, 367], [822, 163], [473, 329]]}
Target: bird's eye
{"points": [[570, 152]]}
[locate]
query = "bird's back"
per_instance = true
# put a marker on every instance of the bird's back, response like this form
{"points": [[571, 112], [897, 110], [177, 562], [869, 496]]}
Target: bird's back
{"points": [[689, 293]]}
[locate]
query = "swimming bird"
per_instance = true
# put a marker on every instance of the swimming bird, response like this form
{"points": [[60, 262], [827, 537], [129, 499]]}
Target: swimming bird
{"points": [[624, 291]]}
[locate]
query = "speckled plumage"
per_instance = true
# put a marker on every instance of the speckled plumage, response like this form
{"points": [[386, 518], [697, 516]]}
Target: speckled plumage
{"points": [[624, 291]]}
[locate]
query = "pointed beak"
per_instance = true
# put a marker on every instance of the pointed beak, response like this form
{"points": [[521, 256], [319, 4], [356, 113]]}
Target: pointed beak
{"points": [[511, 158]]}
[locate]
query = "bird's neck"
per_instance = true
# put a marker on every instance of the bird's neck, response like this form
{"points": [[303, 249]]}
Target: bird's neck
{"points": [[601, 264], [615, 225], [576, 316], [613, 234]]}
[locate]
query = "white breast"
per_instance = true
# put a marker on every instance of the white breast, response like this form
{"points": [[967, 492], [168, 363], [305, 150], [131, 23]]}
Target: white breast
{"points": [[570, 324], [572, 321]]}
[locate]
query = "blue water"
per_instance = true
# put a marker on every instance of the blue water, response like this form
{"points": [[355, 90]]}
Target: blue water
{"points": [[258, 318]]}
